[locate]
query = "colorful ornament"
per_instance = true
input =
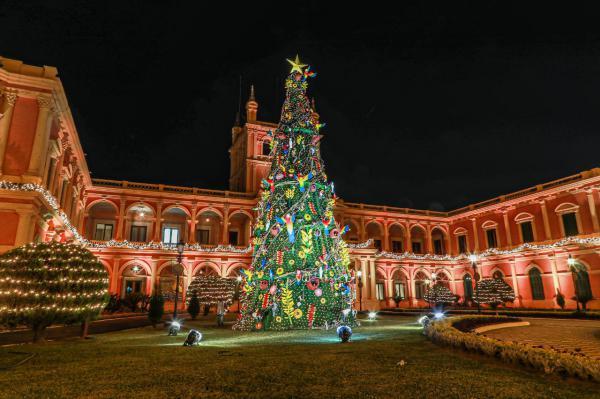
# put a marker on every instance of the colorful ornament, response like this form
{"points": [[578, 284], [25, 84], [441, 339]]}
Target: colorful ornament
{"points": [[311, 314], [275, 229], [302, 180], [265, 301], [313, 283], [288, 220]]}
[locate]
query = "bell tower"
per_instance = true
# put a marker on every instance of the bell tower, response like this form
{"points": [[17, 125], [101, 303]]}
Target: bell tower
{"points": [[249, 153]]}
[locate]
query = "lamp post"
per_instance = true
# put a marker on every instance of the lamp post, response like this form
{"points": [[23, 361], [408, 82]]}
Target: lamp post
{"points": [[433, 277], [360, 285], [178, 269], [239, 281], [473, 259], [571, 262]]}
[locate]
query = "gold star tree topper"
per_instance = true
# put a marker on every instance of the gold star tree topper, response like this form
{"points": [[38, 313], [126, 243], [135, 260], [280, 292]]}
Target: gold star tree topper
{"points": [[296, 64]]}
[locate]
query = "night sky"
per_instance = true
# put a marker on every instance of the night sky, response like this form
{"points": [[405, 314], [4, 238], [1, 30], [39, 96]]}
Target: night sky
{"points": [[431, 106]]}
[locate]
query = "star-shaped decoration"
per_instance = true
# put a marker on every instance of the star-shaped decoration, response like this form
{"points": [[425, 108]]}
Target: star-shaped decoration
{"points": [[296, 65]]}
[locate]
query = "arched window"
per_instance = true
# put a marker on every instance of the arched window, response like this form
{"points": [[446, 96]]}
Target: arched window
{"points": [[468, 286], [421, 285], [581, 278], [266, 147], [537, 287]]}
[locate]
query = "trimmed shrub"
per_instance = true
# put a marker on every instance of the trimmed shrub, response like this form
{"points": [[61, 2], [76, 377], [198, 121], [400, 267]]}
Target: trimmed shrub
{"points": [[549, 361], [194, 306], [157, 308], [50, 283]]}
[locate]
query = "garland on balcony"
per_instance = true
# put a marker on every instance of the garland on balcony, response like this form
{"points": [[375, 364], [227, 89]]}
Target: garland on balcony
{"points": [[53, 203], [589, 241], [32, 187]]}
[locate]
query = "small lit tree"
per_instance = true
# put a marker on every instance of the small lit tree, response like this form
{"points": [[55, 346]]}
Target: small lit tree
{"points": [[440, 295], [47, 283], [211, 289], [494, 292]]}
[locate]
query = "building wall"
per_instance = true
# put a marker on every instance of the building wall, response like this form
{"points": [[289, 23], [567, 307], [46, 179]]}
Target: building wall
{"points": [[39, 144]]}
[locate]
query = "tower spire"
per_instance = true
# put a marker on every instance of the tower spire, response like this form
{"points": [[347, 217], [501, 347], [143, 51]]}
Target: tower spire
{"points": [[251, 106]]}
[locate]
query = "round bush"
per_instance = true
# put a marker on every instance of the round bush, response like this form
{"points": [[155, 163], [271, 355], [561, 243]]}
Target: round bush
{"points": [[46, 283]]}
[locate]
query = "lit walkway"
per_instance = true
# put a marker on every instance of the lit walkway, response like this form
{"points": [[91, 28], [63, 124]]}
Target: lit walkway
{"points": [[563, 334]]}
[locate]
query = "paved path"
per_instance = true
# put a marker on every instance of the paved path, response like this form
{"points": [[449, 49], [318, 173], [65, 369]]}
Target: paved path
{"points": [[558, 333]]}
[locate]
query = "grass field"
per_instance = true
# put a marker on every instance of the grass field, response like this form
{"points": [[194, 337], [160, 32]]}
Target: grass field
{"points": [[300, 364]]}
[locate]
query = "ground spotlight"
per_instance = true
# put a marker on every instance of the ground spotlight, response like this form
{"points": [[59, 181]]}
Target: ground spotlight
{"points": [[193, 339], [344, 332], [372, 315], [174, 328]]}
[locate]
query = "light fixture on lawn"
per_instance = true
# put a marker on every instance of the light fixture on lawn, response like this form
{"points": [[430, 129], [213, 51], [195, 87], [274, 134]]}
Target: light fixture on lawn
{"points": [[193, 338], [372, 315], [360, 285], [344, 333], [174, 328]]}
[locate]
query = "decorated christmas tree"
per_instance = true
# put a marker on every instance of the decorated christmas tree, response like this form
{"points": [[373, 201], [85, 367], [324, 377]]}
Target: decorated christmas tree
{"points": [[299, 277]]}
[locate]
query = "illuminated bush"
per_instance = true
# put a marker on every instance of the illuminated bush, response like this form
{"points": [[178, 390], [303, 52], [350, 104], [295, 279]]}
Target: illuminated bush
{"points": [[47, 283], [440, 295], [494, 292]]}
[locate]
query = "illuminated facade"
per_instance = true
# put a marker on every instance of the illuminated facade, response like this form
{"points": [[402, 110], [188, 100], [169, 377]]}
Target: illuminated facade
{"points": [[46, 193]]}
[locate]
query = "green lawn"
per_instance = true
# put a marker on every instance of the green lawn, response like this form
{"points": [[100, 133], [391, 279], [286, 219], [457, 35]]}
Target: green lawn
{"points": [[300, 364]]}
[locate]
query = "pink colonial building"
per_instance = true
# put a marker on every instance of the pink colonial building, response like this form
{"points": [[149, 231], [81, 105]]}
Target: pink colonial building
{"points": [[540, 240]]}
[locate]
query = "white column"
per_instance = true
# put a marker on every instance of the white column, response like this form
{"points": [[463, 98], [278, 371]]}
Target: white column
{"points": [[507, 229], [365, 281], [225, 227], [25, 227], [475, 235], [372, 279], [547, 230], [386, 236], [157, 222], [513, 272], [429, 240], [555, 278], [42, 133], [10, 98], [593, 213]]}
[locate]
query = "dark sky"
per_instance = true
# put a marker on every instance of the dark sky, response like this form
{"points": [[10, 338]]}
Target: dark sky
{"points": [[432, 105]]}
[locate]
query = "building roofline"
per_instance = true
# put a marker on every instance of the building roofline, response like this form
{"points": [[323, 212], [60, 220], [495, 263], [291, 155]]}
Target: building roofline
{"points": [[506, 199]]}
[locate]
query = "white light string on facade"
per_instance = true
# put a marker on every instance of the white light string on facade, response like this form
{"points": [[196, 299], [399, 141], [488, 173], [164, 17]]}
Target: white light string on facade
{"points": [[590, 241], [32, 187]]}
